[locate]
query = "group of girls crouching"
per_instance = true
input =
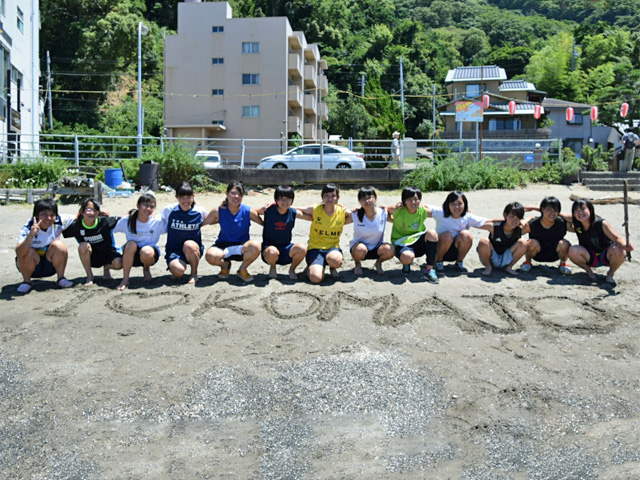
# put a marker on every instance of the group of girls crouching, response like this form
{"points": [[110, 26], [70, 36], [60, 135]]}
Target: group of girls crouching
{"points": [[41, 253]]}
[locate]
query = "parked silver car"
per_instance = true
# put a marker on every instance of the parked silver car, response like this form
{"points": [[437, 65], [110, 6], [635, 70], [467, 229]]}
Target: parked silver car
{"points": [[308, 156]]}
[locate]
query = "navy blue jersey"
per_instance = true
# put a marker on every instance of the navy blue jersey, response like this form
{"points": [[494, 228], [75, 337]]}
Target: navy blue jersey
{"points": [[277, 227], [182, 226]]}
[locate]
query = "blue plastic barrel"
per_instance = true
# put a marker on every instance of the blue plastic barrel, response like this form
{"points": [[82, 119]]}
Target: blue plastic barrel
{"points": [[113, 177]]}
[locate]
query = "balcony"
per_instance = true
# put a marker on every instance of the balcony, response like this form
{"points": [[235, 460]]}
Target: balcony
{"points": [[310, 131], [295, 65], [294, 42], [310, 103], [294, 125], [312, 53], [323, 111], [310, 76], [323, 84], [295, 96]]}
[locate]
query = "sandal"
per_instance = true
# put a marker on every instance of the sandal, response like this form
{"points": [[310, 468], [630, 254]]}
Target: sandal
{"points": [[25, 287], [64, 283]]}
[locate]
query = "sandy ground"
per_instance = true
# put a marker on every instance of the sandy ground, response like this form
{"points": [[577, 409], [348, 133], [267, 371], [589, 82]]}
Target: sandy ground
{"points": [[535, 377]]}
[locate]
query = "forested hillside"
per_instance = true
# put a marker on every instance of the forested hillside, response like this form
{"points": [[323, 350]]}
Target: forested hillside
{"points": [[581, 50]]}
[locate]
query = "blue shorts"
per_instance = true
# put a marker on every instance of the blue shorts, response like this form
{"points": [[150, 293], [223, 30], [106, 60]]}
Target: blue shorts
{"points": [[44, 268], [171, 256], [285, 254], [318, 256]]}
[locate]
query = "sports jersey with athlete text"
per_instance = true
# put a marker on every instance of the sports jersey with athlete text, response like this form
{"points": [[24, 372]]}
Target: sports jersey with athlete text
{"points": [[182, 226]]}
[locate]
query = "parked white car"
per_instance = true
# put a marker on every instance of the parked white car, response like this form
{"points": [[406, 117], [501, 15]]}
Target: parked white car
{"points": [[308, 157], [211, 159]]}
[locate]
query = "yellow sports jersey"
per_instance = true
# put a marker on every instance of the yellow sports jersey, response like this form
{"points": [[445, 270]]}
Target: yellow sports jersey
{"points": [[326, 230]]}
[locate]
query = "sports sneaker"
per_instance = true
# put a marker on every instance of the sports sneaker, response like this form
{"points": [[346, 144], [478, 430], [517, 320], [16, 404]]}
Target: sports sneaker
{"points": [[431, 276], [439, 267], [461, 268], [526, 267], [565, 269], [244, 275], [406, 269]]}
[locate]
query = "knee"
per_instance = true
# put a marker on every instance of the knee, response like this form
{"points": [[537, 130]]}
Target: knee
{"points": [[84, 247], [359, 251], [533, 246], [465, 237], [386, 250], [298, 250], [271, 254], [445, 239], [431, 236]]}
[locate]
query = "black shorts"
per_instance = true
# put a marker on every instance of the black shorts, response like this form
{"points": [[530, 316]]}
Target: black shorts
{"points": [[548, 255], [419, 247], [452, 253], [136, 257], [100, 258]]}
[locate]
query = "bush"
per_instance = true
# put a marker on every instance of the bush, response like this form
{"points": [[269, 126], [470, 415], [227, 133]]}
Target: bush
{"points": [[36, 174], [548, 173], [454, 173], [178, 164]]}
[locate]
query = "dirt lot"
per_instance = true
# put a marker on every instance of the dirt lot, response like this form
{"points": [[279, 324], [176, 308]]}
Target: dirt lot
{"points": [[533, 377]]}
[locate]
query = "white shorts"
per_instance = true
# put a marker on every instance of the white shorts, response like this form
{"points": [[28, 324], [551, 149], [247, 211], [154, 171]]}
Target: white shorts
{"points": [[501, 261]]}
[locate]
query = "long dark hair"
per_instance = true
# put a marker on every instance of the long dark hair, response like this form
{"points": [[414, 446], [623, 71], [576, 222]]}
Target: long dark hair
{"points": [[452, 197], [365, 192], [133, 213], [579, 203]]}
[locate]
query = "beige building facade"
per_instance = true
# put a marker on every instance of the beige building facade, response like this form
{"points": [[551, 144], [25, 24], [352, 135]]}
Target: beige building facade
{"points": [[232, 78]]}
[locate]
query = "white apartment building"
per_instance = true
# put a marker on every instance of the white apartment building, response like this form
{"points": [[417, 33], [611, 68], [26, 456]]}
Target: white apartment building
{"points": [[252, 78], [20, 105]]}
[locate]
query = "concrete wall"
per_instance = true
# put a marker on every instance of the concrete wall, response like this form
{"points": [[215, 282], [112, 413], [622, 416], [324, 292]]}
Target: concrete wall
{"points": [[250, 177]]}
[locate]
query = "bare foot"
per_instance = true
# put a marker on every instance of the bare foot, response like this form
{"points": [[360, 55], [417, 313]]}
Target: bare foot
{"points": [[592, 275], [193, 279], [147, 277], [293, 275], [334, 273], [107, 275], [89, 282], [123, 286], [273, 273], [511, 271], [379, 269], [487, 271], [357, 271], [610, 279]]}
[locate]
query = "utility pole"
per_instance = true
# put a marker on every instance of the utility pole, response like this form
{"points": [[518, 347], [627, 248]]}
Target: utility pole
{"points": [[49, 91], [433, 134], [362, 82], [402, 93]]}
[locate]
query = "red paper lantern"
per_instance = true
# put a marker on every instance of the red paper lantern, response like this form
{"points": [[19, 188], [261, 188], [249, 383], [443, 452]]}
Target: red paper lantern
{"points": [[624, 109], [570, 114], [537, 111], [485, 101], [594, 114], [512, 107]]}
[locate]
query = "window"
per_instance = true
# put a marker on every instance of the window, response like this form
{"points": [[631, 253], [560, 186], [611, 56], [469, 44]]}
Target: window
{"points": [[504, 124], [20, 20], [250, 79], [217, 122], [574, 144], [217, 92], [577, 119], [217, 61], [473, 90], [217, 29], [251, 111], [1, 7], [250, 47]]}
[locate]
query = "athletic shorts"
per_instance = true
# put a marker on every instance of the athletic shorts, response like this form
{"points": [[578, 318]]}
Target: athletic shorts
{"points": [[171, 256], [373, 253], [598, 259], [136, 256], [419, 247], [318, 256], [223, 245], [452, 253], [44, 268], [285, 253], [100, 258], [501, 260], [546, 256]]}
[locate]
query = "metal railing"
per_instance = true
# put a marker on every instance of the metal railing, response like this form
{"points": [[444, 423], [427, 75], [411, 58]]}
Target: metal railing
{"points": [[246, 153]]}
